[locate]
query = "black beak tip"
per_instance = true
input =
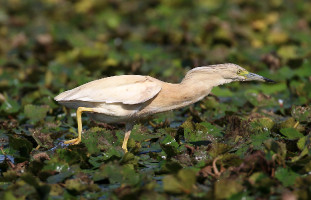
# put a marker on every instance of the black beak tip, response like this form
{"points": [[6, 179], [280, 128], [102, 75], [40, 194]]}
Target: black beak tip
{"points": [[269, 80]]}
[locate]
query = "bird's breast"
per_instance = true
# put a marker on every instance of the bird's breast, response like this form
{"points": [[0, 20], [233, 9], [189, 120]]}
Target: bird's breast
{"points": [[174, 96]]}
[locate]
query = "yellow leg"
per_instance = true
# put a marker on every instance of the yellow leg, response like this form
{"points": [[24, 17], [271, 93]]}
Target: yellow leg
{"points": [[128, 128], [79, 121], [296, 125]]}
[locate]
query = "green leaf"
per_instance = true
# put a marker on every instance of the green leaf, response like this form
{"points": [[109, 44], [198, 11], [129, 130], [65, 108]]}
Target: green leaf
{"points": [[201, 132], [172, 184], [304, 152], [138, 135], [286, 176], [226, 188], [183, 182], [301, 143], [275, 88], [211, 129], [261, 125], [169, 166], [251, 96], [76, 186], [218, 149], [129, 158], [288, 52], [119, 174], [258, 139], [222, 92], [58, 178], [73, 155], [291, 133], [8, 195], [36, 113], [169, 145], [285, 73], [9, 105], [304, 70]]}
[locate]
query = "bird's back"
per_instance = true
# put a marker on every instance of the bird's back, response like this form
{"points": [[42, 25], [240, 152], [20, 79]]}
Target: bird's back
{"points": [[126, 89]]}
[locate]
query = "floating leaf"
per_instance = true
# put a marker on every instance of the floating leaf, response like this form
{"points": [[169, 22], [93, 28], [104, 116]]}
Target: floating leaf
{"points": [[258, 139], [202, 132], [288, 52], [218, 149], [222, 92], [9, 106], [35, 113], [169, 166], [263, 124], [119, 174], [291, 133], [286, 176], [226, 188], [77, 186], [183, 182], [273, 89], [58, 178], [169, 145], [304, 70]]}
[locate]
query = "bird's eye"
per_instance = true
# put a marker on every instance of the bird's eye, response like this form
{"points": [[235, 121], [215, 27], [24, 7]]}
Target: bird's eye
{"points": [[239, 71]]}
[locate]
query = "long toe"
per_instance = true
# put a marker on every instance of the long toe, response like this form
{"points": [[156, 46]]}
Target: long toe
{"points": [[73, 141]]}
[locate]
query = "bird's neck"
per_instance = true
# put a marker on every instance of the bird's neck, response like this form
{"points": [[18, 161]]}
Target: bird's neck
{"points": [[185, 93], [205, 80], [174, 96], [195, 88], [193, 91]]}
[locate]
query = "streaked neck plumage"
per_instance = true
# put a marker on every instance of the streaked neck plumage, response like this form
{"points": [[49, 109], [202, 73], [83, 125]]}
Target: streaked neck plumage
{"points": [[209, 76], [196, 85]]}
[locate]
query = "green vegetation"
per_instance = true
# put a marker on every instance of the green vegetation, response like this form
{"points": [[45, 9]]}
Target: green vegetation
{"points": [[246, 140]]}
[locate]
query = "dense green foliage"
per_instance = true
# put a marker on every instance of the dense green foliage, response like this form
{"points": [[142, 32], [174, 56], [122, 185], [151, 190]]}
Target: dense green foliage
{"points": [[246, 140]]}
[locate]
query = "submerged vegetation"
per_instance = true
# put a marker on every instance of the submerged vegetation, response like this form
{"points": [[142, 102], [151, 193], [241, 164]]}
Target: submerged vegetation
{"points": [[245, 140]]}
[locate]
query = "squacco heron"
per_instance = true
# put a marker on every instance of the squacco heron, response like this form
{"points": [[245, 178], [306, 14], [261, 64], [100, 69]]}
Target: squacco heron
{"points": [[128, 98]]}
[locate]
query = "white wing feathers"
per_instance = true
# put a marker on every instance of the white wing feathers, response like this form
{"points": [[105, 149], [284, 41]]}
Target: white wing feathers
{"points": [[126, 89]]}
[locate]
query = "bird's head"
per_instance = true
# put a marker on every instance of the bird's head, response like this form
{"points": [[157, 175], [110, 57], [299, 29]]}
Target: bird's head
{"points": [[224, 73], [237, 73]]}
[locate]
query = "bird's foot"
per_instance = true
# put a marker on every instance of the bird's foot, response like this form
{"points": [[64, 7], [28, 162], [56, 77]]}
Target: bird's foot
{"points": [[73, 141], [124, 149]]}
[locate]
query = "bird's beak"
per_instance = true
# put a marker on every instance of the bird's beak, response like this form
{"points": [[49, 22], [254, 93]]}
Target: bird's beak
{"points": [[255, 77]]}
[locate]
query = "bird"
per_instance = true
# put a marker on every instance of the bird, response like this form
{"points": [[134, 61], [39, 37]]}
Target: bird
{"points": [[129, 98]]}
